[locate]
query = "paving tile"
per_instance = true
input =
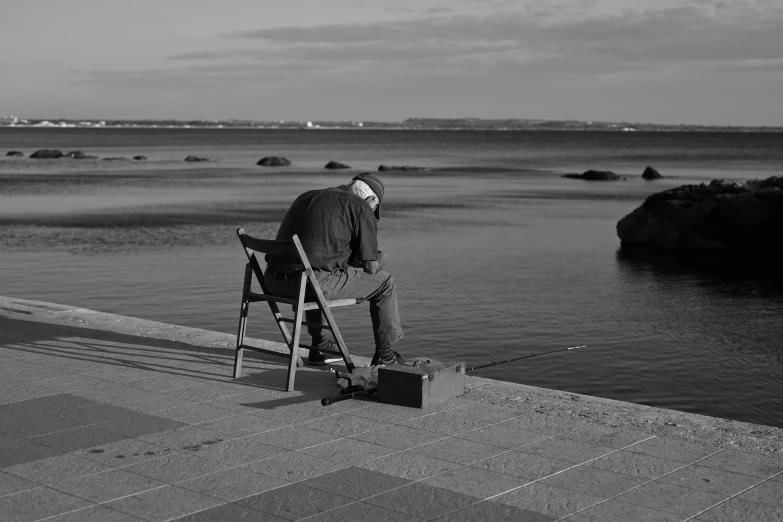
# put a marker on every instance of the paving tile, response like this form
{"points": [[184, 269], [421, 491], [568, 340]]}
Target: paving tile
{"points": [[293, 415], [476, 482], [230, 513], [636, 464], [106, 486], [94, 514], [294, 502], [738, 509], [548, 500], [355, 483], [12, 366], [458, 450], [502, 436], [361, 512], [496, 512], [523, 465], [110, 392], [139, 425], [606, 436], [242, 425], [295, 466], [78, 438], [186, 437], [389, 412], [769, 492], [673, 449], [36, 504], [445, 423], [410, 465], [7, 438], [12, 411], [547, 424], [345, 425], [744, 463], [97, 413], [122, 374], [614, 511], [348, 451], [53, 404], [233, 484], [21, 451], [422, 500], [10, 484], [249, 402], [669, 498], [33, 424], [594, 481], [124, 452], [399, 437], [711, 480], [294, 437], [195, 413], [176, 467], [20, 392], [238, 452], [163, 504], [566, 449], [56, 469]]}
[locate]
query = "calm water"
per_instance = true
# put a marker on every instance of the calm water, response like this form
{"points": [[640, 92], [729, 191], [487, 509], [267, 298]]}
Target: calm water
{"points": [[494, 253]]}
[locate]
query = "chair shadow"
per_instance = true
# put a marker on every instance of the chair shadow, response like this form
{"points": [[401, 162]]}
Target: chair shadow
{"points": [[82, 344]]}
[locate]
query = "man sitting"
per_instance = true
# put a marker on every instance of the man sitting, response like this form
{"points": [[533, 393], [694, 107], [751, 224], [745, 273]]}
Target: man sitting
{"points": [[339, 232]]}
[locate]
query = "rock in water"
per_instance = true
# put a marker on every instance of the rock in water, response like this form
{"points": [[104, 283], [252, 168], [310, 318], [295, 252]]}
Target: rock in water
{"points": [[140, 158], [76, 154], [274, 161], [47, 154], [594, 175], [336, 165], [651, 173], [404, 168], [721, 216], [196, 159], [15, 153]]}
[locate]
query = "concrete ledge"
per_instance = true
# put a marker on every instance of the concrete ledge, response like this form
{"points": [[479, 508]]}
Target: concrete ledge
{"points": [[751, 438]]}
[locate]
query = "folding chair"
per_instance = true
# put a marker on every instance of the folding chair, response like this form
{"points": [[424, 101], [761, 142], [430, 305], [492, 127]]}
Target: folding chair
{"points": [[289, 247]]}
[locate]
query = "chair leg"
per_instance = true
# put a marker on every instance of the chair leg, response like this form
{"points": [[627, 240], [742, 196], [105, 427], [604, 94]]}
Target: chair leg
{"points": [[243, 311], [298, 313]]}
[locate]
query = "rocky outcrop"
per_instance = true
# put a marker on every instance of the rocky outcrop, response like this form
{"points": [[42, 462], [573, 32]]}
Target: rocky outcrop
{"points": [[47, 154], [196, 159], [15, 154], [114, 159], [595, 175], [336, 165], [721, 216], [650, 174], [405, 168], [140, 158], [76, 154], [274, 161]]}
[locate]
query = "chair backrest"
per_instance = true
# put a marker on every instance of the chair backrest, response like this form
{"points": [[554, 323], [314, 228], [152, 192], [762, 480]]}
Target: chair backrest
{"points": [[283, 247]]}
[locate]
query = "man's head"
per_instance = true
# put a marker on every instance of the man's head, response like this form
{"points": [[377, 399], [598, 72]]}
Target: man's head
{"points": [[368, 186]]}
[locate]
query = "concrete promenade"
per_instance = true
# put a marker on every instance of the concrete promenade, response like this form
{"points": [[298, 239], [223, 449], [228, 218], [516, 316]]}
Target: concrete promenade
{"points": [[111, 418]]}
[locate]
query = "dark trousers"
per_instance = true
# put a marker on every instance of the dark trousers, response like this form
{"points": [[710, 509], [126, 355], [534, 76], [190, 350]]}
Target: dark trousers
{"points": [[350, 283]]}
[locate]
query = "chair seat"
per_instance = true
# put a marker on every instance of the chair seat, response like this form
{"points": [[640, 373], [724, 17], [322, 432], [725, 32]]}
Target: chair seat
{"points": [[310, 305]]}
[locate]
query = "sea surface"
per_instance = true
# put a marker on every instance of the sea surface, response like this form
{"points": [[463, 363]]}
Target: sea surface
{"points": [[495, 255]]}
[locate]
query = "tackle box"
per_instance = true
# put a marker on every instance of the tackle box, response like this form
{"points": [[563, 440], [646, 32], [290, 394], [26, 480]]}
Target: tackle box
{"points": [[422, 384]]}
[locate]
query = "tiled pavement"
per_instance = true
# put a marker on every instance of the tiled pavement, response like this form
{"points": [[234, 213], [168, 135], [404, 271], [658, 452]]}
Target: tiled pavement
{"points": [[101, 426]]}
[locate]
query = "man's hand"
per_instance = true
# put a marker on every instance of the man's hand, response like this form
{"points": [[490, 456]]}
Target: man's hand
{"points": [[373, 267]]}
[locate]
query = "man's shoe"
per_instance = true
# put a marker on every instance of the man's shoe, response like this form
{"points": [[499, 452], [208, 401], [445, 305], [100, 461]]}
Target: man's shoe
{"points": [[396, 358], [316, 358]]}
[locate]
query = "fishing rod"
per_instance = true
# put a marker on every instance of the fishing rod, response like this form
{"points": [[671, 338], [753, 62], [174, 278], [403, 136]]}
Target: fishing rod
{"points": [[352, 392], [529, 356]]}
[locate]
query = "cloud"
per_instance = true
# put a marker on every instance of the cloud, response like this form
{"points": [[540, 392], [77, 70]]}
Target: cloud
{"points": [[542, 39]]}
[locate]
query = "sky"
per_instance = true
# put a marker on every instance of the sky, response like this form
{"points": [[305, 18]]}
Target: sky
{"points": [[708, 62]]}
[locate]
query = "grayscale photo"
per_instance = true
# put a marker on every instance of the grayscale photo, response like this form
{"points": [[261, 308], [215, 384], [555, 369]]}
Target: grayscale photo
{"points": [[391, 260]]}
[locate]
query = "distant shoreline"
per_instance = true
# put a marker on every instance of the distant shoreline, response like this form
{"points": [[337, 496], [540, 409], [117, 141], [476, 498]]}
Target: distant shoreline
{"points": [[412, 124]]}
